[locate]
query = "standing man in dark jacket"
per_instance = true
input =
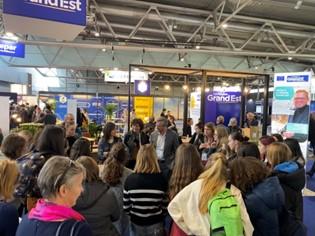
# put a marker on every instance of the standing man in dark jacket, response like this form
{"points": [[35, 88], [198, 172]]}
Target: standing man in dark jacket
{"points": [[165, 142], [187, 131]]}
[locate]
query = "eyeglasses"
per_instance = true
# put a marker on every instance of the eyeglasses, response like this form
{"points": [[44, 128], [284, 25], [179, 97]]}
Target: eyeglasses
{"points": [[61, 177]]}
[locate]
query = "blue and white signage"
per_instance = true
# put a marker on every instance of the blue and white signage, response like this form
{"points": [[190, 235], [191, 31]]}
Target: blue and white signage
{"points": [[60, 19], [142, 87], [11, 48], [66, 11]]}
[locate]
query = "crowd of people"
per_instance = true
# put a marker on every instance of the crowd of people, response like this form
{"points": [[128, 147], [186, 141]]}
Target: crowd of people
{"points": [[150, 182]]}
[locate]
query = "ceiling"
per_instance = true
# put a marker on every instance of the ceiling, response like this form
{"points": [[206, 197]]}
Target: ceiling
{"points": [[244, 35]]}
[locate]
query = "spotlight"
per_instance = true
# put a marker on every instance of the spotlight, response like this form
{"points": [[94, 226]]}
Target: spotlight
{"points": [[225, 26], [198, 89], [207, 90], [103, 49], [185, 87], [97, 34], [116, 68], [290, 58], [167, 87], [198, 47], [182, 59]]}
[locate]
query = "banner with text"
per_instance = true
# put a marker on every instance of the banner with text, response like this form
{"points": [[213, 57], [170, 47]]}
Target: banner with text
{"points": [[223, 102], [143, 107], [291, 106]]}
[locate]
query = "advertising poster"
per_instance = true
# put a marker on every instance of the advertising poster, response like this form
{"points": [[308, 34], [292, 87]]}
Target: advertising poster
{"points": [[61, 106], [194, 107], [291, 106], [225, 102], [143, 107]]}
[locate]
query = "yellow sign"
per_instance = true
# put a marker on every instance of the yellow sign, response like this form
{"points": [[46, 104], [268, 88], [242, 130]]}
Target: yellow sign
{"points": [[143, 107]]}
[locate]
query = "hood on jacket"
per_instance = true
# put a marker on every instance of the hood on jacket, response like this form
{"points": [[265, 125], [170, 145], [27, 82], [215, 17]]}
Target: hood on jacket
{"points": [[92, 192], [287, 167], [295, 180], [270, 192]]}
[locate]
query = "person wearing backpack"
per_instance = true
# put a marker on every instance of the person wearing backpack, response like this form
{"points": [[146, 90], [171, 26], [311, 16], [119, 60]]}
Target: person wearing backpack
{"points": [[60, 183], [189, 208], [51, 142], [262, 194]]}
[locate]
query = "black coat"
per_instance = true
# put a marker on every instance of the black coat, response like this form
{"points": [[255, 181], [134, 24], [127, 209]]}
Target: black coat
{"points": [[198, 141], [99, 206], [264, 204], [292, 185]]}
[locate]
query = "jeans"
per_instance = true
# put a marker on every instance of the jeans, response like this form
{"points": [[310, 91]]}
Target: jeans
{"points": [[150, 230]]}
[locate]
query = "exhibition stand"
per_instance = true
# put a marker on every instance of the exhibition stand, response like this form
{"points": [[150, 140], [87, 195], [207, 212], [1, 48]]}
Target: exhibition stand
{"points": [[207, 101]]}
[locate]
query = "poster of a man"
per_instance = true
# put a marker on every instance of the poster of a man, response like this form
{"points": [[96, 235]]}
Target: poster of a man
{"points": [[300, 116]]}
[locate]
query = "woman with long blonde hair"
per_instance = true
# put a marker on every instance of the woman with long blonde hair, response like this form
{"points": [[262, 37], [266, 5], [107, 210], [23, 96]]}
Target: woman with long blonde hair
{"points": [[189, 208], [9, 218], [145, 194]]}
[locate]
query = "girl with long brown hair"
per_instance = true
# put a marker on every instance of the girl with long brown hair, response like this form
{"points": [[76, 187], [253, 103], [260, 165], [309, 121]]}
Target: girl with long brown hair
{"points": [[189, 208], [187, 168]]}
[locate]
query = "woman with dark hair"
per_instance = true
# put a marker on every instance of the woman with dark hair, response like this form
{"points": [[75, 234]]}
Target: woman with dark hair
{"points": [[13, 147], [187, 168], [51, 142], [107, 141], [171, 123], [295, 148], [277, 137], [263, 195], [197, 137], [134, 139], [235, 140], [81, 147], [97, 203], [206, 146], [248, 149], [115, 174]]}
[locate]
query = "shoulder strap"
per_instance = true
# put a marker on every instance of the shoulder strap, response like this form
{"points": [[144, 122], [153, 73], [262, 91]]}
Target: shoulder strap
{"points": [[59, 228], [73, 228]]}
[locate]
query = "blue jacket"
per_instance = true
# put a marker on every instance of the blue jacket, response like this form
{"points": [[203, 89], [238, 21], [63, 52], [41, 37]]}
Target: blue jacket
{"points": [[292, 179], [9, 219], [41, 228], [264, 203]]}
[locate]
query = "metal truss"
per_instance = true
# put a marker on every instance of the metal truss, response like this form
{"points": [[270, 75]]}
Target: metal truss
{"points": [[270, 35]]}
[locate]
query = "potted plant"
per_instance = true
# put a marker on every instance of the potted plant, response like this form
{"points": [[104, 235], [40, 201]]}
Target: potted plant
{"points": [[110, 108]]}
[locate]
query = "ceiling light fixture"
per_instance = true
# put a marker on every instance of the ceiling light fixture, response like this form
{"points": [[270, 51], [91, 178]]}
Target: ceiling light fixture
{"points": [[225, 26], [290, 58], [97, 34], [104, 49], [185, 87], [298, 4], [197, 47], [167, 87], [207, 90], [116, 68]]}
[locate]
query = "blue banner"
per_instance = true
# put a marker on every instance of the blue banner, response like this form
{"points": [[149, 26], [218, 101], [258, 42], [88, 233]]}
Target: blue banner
{"points": [[64, 11], [227, 104], [12, 49], [62, 106]]}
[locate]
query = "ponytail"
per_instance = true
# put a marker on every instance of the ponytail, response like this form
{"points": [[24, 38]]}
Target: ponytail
{"points": [[214, 180]]}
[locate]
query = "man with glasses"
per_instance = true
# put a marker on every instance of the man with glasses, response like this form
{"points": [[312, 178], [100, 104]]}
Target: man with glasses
{"points": [[300, 115]]}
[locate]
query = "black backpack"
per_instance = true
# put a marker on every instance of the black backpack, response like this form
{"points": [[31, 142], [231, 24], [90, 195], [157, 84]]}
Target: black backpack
{"points": [[30, 166]]}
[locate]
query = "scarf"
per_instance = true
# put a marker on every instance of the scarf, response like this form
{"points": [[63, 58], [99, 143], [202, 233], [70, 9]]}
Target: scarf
{"points": [[48, 211]]}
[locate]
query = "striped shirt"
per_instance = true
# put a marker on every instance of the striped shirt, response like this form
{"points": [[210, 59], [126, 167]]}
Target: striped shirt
{"points": [[145, 198]]}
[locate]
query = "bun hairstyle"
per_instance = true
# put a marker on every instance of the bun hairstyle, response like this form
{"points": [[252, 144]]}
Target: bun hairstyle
{"points": [[239, 137]]}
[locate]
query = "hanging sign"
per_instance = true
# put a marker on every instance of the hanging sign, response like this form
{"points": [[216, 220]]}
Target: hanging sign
{"points": [[60, 19], [142, 87], [12, 49]]}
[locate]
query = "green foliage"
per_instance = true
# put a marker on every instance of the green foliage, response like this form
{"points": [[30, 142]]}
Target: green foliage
{"points": [[110, 108], [93, 129], [31, 127]]}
